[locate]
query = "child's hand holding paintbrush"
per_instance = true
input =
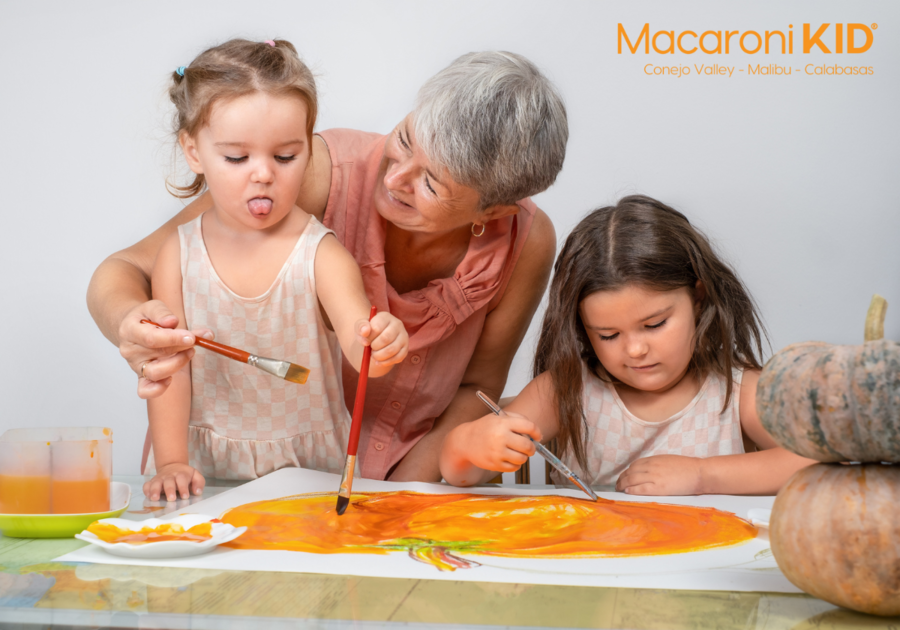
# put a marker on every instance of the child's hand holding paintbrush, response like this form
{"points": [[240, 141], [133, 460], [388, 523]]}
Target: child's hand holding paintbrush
{"points": [[384, 338], [475, 451]]}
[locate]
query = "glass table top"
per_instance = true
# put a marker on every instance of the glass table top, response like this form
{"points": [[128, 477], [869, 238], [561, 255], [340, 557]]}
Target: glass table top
{"points": [[37, 592]]}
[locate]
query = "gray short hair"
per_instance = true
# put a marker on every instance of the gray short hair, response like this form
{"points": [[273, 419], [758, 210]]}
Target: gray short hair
{"points": [[495, 123]]}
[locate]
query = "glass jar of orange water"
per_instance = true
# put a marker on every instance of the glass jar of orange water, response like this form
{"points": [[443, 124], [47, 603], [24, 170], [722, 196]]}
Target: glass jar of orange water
{"points": [[55, 470]]}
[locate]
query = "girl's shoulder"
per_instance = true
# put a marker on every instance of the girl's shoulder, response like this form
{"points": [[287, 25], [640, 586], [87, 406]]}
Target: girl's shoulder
{"points": [[593, 385], [747, 388]]}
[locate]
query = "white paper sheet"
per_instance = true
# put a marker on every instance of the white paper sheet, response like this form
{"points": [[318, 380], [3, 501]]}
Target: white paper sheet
{"points": [[745, 567]]}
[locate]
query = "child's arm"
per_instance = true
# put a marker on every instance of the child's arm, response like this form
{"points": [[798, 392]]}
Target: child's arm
{"points": [[762, 472], [476, 451], [169, 413], [340, 290]]}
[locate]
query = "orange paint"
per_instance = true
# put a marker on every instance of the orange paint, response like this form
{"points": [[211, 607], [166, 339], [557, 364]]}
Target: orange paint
{"points": [[80, 497], [432, 527], [160, 533], [24, 495]]}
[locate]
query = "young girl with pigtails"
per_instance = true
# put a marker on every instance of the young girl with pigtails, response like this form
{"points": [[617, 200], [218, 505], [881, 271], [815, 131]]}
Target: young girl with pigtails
{"points": [[261, 273], [645, 372]]}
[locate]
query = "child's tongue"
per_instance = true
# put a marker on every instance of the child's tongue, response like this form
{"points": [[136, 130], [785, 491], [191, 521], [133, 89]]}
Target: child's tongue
{"points": [[260, 206]]}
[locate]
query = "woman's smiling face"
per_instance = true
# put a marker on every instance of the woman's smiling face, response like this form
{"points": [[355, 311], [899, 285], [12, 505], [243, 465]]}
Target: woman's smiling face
{"points": [[418, 196], [643, 337]]}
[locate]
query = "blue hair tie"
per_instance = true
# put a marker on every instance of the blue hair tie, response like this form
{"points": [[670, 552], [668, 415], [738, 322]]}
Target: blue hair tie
{"points": [[180, 71]]}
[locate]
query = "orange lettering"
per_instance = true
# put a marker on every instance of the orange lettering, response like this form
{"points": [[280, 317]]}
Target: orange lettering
{"points": [[692, 50], [770, 34], [728, 35], [645, 32], [718, 49], [851, 47], [758, 42], [671, 48], [809, 42]]}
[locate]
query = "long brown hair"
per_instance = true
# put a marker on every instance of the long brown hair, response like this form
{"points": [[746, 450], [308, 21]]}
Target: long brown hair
{"points": [[237, 68], [639, 241]]}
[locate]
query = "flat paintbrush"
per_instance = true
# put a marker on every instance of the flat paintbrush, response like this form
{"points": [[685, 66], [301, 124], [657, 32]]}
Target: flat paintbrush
{"points": [[282, 369], [343, 499], [543, 450]]}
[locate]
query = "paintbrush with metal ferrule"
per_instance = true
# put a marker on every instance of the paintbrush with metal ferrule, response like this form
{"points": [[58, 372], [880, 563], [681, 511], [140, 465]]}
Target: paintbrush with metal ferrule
{"points": [[343, 499], [282, 369], [545, 452]]}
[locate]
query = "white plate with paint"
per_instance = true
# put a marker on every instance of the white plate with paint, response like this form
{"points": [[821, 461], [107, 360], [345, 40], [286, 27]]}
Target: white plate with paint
{"points": [[220, 532]]}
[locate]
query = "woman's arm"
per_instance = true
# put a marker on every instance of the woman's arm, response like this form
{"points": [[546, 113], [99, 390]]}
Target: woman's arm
{"points": [[119, 290], [487, 370], [122, 281], [762, 472], [118, 300]]}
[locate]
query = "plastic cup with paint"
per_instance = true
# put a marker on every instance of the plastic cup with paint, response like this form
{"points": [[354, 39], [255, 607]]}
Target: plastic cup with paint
{"points": [[24, 474], [55, 470], [81, 465]]}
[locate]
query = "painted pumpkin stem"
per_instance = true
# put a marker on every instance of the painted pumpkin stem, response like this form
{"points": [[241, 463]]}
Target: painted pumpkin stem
{"points": [[875, 319]]}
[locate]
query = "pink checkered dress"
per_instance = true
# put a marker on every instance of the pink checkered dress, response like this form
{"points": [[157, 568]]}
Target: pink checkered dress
{"points": [[244, 422], [615, 437]]}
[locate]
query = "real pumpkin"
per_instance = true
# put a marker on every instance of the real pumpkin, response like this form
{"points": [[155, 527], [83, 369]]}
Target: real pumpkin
{"points": [[835, 534], [834, 403]]}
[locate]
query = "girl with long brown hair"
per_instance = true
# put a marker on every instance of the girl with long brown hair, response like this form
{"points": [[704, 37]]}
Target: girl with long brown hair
{"points": [[645, 372]]}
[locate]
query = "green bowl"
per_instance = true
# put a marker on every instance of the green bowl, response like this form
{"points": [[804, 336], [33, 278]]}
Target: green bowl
{"points": [[63, 525]]}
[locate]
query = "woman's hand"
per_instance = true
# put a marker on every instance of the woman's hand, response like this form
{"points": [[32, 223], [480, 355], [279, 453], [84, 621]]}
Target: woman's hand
{"points": [[155, 354], [174, 479], [663, 475], [387, 336]]}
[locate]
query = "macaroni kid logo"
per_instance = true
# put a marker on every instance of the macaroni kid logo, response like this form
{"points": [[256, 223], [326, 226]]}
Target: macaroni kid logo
{"points": [[827, 38]]}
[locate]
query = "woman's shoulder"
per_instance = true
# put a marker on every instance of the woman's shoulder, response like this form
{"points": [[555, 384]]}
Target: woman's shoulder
{"points": [[349, 145], [541, 239]]}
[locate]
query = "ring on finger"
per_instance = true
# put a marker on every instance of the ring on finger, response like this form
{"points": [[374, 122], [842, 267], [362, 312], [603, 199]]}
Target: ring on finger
{"points": [[143, 365]]}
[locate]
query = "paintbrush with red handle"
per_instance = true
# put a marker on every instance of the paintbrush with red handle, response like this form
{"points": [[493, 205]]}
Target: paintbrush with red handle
{"points": [[282, 369], [343, 499]]}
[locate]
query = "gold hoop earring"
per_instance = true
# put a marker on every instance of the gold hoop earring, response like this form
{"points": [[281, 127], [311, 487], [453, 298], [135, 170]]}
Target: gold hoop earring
{"points": [[481, 233]]}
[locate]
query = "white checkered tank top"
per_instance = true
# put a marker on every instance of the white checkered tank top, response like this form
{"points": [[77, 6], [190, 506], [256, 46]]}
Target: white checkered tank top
{"points": [[244, 422], [616, 437]]}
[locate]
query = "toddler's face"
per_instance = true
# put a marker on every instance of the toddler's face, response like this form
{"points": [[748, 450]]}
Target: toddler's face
{"points": [[253, 153], [643, 337]]}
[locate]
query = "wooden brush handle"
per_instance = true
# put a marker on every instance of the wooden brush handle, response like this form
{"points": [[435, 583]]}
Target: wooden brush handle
{"points": [[360, 403], [219, 348]]}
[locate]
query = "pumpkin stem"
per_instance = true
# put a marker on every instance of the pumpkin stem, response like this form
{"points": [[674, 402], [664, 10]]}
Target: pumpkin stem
{"points": [[875, 318]]}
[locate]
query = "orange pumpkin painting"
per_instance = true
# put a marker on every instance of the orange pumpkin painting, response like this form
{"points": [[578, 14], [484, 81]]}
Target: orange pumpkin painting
{"points": [[437, 528]]}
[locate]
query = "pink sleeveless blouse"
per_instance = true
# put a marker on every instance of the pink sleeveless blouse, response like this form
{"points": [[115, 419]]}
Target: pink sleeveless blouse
{"points": [[444, 320], [245, 423], [616, 437]]}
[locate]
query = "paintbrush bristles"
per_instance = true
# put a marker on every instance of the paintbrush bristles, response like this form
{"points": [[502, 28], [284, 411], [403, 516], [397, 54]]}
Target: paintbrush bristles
{"points": [[297, 374]]}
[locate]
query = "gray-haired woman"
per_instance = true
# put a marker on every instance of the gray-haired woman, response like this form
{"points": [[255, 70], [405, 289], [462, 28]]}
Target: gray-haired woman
{"points": [[438, 217]]}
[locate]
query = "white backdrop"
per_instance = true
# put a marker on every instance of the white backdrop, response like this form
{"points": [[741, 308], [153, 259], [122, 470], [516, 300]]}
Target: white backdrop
{"points": [[790, 175]]}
